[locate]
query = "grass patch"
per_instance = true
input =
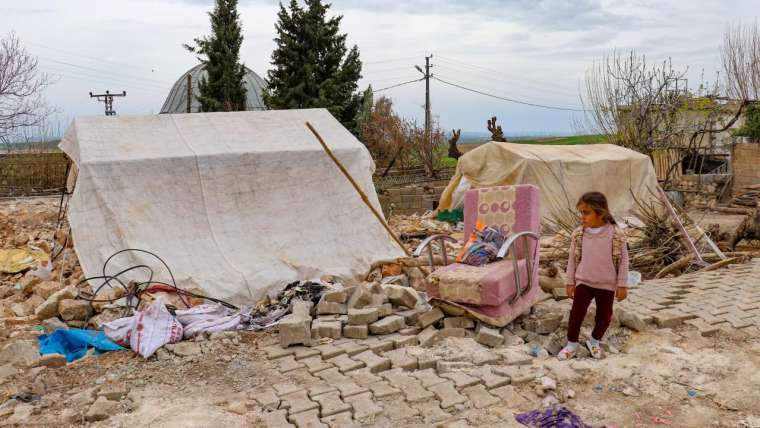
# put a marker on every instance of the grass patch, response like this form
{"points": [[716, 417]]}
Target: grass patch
{"points": [[564, 141]]}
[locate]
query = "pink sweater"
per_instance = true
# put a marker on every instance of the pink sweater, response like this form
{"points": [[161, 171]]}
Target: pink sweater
{"points": [[596, 268]]}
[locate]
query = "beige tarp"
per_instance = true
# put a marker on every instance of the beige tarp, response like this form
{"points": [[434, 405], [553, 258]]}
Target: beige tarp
{"points": [[239, 204], [563, 173]]}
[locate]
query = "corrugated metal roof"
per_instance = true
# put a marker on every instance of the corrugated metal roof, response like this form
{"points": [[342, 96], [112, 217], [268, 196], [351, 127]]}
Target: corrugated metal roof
{"points": [[176, 101]]}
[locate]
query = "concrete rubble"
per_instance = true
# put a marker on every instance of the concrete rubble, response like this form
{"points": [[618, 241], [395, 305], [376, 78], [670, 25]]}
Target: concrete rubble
{"points": [[375, 354]]}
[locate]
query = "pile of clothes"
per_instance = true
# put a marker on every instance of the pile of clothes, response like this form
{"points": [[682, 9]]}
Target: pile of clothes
{"points": [[482, 246]]}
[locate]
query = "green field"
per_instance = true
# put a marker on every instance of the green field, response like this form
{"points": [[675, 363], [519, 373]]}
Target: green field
{"points": [[561, 141]]}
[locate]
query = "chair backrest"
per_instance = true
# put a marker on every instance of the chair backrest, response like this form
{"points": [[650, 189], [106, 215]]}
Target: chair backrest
{"points": [[511, 209]]}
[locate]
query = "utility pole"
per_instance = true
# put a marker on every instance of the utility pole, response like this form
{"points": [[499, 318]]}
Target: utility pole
{"points": [[107, 98], [427, 75]]}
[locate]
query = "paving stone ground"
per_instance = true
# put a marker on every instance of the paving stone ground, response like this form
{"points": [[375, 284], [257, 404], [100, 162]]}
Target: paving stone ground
{"points": [[352, 382], [726, 298]]}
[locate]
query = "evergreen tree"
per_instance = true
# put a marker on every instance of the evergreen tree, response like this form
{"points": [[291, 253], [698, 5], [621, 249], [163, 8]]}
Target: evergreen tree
{"points": [[223, 89], [312, 66]]}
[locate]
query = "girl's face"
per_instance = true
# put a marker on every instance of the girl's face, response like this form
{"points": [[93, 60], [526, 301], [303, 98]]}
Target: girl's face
{"points": [[589, 217]]}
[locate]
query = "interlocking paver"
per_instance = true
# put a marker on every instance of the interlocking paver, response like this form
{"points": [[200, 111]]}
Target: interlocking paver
{"points": [[288, 363], [398, 410], [461, 379], [480, 397], [344, 363], [411, 387], [429, 377], [374, 363], [400, 359], [299, 402], [340, 420], [432, 412], [330, 404], [447, 394], [363, 377], [276, 419], [329, 350], [315, 364], [345, 385], [383, 389], [365, 408], [307, 419]]}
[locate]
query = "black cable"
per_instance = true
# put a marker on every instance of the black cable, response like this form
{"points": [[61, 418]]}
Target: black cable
{"points": [[397, 85], [134, 291], [508, 99]]}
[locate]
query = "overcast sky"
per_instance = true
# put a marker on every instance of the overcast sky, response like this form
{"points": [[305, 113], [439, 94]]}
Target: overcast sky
{"points": [[530, 50]]}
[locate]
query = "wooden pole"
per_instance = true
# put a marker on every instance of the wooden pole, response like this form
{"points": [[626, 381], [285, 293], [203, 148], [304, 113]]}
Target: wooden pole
{"points": [[188, 108], [358, 189]]}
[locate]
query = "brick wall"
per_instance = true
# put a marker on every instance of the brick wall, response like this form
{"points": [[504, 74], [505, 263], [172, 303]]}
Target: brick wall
{"points": [[745, 164], [31, 173], [413, 198]]}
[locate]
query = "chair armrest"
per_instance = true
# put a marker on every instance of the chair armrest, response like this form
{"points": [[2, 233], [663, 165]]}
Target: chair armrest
{"points": [[504, 250], [426, 243], [509, 243]]}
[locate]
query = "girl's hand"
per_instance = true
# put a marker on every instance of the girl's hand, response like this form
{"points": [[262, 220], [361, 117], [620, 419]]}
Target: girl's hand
{"points": [[621, 293], [570, 289]]}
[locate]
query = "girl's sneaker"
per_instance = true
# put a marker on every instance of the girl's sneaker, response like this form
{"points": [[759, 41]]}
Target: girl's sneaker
{"points": [[568, 352], [595, 349]]}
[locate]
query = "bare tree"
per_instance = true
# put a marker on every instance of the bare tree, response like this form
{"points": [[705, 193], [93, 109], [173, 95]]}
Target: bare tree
{"points": [[21, 87], [496, 133], [740, 55], [454, 151], [635, 103], [383, 134], [427, 151]]}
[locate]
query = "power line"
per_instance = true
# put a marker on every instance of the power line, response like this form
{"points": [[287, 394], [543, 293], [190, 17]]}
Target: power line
{"points": [[508, 99], [99, 60], [398, 84], [476, 74], [517, 94], [490, 71], [152, 81]]}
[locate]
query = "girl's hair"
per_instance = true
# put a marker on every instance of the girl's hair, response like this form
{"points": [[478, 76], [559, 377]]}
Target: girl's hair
{"points": [[598, 202]]}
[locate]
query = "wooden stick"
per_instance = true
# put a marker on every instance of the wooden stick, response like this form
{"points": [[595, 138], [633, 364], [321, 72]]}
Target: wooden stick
{"points": [[678, 265], [720, 264], [358, 189]]}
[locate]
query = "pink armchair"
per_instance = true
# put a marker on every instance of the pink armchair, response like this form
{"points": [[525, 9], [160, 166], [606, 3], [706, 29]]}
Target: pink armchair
{"points": [[498, 292]]}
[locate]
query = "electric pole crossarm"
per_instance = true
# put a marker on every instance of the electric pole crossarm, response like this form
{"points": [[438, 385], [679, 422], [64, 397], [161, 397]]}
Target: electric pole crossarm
{"points": [[107, 99]]}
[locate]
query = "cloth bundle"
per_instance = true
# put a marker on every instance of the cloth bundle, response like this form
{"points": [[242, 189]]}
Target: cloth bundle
{"points": [[482, 247]]}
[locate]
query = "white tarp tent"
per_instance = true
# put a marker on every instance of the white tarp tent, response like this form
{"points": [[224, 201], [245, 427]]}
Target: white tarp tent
{"points": [[563, 173], [239, 204]]}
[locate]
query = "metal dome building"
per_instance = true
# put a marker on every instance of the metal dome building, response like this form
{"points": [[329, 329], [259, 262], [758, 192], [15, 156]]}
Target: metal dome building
{"points": [[176, 101]]}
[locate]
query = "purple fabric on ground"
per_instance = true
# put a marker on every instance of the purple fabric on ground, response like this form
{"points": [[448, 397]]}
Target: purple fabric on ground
{"points": [[551, 417]]}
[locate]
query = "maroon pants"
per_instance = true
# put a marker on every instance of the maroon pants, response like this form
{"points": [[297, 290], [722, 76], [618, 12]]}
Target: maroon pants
{"points": [[583, 296]]}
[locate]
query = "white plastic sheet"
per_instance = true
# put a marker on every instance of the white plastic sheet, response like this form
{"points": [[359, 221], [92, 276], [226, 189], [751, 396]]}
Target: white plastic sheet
{"points": [[240, 204]]}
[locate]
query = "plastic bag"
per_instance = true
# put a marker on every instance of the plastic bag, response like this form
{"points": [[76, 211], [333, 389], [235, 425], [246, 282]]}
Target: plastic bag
{"points": [[154, 328], [119, 330], [227, 323], [201, 313]]}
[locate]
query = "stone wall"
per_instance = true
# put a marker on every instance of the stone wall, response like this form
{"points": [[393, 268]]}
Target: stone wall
{"points": [[414, 198], [31, 173], [745, 164]]}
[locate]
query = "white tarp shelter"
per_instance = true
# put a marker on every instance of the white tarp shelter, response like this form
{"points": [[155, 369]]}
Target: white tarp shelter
{"points": [[239, 203], [562, 172]]}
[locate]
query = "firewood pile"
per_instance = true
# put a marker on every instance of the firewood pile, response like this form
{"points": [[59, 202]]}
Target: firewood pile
{"points": [[748, 197]]}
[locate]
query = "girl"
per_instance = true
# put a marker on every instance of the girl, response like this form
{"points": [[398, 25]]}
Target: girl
{"points": [[597, 269]]}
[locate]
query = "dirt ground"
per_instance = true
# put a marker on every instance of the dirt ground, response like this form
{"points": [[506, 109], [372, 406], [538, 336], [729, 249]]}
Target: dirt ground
{"points": [[661, 377]]}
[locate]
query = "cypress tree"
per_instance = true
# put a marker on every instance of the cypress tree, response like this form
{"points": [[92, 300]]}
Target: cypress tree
{"points": [[223, 89], [312, 66]]}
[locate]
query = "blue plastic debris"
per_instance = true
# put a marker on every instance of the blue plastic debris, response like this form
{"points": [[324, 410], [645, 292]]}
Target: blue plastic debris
{"points": [[74, 343]]}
